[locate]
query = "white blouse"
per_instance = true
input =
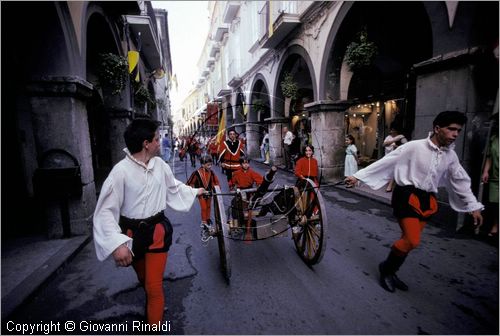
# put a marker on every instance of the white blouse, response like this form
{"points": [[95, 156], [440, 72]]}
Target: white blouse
{"points": [[426, 166], [135, 190]]}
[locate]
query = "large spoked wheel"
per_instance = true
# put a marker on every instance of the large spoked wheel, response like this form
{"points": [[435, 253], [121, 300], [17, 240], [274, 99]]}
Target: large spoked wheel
{"points": [[311, 222], [222, 234]]}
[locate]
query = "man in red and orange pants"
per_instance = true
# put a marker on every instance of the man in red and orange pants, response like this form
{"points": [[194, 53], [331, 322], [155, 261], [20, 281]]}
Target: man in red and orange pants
{"points": [[419, 167]]}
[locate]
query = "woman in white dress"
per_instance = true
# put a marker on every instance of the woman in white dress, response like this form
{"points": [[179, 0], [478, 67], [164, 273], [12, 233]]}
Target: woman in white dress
{"points": [[351, 157]]}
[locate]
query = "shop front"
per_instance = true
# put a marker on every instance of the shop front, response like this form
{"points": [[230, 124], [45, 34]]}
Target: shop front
{"points": [[369, 123]]}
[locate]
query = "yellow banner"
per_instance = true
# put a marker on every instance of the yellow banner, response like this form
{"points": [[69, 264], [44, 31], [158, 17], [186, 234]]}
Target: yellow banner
{"points": [[222, 127], [133, 64], [270, 14]]}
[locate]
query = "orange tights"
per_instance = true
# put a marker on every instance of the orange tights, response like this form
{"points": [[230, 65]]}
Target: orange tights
{"points": [[410, 237], [150, 274]]}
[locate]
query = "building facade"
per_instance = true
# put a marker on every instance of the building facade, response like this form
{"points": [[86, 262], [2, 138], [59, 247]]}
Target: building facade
{"points": [[71, 85], [359, 67]]}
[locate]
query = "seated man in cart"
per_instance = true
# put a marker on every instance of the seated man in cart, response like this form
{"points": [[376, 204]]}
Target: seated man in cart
{"points": [[246, 177]]}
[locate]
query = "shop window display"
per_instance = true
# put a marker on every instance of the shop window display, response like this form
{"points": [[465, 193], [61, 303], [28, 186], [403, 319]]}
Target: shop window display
{"points": [[369, 124]]}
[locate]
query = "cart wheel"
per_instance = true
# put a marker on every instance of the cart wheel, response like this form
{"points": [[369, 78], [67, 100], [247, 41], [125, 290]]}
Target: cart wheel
{"points": [[222, 234], [311, 219]]}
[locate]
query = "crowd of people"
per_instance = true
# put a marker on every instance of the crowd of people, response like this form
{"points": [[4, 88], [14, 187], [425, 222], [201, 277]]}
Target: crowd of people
{"points": [[131, 227]]}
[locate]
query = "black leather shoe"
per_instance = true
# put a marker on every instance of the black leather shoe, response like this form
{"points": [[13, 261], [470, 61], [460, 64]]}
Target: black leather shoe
{"points": [[399, 284], [386, 280]]}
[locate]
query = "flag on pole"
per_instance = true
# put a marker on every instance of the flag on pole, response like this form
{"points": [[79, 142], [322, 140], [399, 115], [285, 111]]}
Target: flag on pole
{"points": [[245, 108]]}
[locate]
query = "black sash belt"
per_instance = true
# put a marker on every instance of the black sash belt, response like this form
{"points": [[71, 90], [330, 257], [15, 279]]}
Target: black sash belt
{"points": [[132, 223]]}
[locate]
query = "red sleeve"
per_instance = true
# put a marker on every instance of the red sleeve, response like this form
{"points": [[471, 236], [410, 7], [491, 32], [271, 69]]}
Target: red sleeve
{"points": [[192, 179], [298, 168], [234, 180], [216, 180], [257, 178]]}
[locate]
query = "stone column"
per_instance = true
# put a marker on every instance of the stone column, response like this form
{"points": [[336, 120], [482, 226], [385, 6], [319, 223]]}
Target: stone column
{"points": [[253, 145], [328, 134], [120, 112], [119, 120], [59, 115], [275, 140]]}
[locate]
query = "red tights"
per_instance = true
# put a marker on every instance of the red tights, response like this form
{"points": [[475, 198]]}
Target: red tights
{"points": [[410, 237], [205, 208], [150, 274]]}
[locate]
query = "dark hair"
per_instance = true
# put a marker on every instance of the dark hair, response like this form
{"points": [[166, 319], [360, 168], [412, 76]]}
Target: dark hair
{"points": [[138, 131], [304, 150], [205, 159], [350, 137], [243, 159], [232, 130], [447, 118]]}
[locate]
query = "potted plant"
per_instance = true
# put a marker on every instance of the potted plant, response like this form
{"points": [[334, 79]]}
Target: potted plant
{"points": [[113, 72], [142, 96], [290, 90], [360, 54]]}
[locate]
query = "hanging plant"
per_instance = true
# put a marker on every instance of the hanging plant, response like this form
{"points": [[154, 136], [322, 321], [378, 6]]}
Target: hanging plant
{"points": [[142, 95], [360, 54], [258, 105], [113, 72], [289, 87]]}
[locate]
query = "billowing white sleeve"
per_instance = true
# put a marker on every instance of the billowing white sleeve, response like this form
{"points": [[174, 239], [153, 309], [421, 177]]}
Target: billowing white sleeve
{"points": [[379, 173], [107, 232], [180, 197], [458, 185]]}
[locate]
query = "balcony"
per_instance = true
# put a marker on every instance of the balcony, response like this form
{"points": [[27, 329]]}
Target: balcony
{"points": [[214, 49], [223, 93], [282, 27], [205, 73], [219, 33], [142, 27], [235, 81], [210, 62], [230, 11]]}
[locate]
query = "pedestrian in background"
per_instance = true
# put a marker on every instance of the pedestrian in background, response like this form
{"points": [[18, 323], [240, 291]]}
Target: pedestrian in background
{"points": [[351, 157], [419, 168], [287, 147], [391, 142], [212, 148], [166, 147], [267, 151], [129, 220], [262, 146], [490, 176]]}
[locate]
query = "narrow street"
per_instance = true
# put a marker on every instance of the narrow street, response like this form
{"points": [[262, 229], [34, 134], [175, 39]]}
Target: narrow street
{"points": [[453, 281]]}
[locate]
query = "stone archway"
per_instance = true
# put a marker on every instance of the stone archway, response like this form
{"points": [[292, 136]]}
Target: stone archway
{"points": [[296, 62], [100, 38], [46, 95], [259, 115]]}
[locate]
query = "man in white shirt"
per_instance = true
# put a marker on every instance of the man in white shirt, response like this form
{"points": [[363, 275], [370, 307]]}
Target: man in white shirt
{"points": [[129, 220], [287, 143], [419, 168]]}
